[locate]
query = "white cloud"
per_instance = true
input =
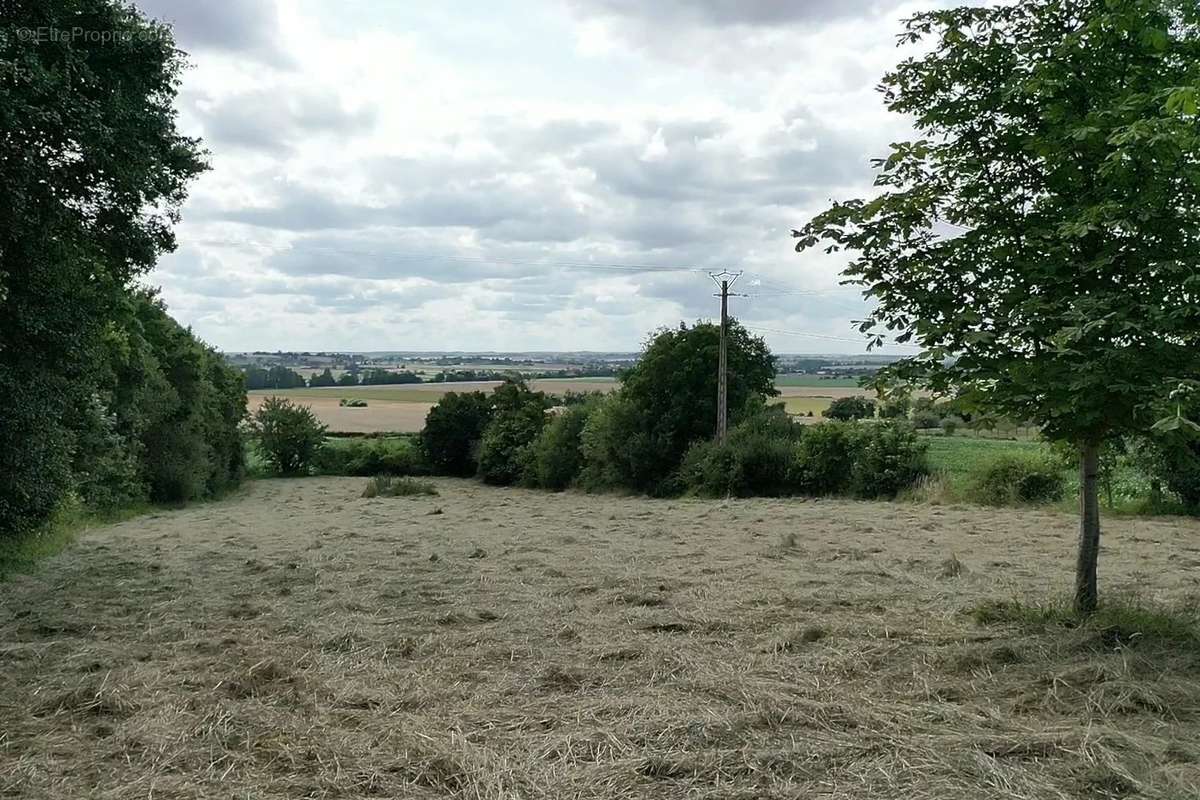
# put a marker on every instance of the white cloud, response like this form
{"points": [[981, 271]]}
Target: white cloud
{"points": [[386, 178]]}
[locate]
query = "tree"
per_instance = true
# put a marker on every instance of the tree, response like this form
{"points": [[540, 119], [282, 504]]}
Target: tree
{"points": [[347, 379], [848, 409], [452, 432], [324, 379], [94, 172], [505, 450], [669, 400], [1042, 241], [290, 435]]}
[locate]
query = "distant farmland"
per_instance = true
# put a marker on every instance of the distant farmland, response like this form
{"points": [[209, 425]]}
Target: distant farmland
{"points": [[402, 408]]}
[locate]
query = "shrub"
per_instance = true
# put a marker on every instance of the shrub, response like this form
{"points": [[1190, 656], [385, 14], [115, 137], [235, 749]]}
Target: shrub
{"points": [[896, 408], [669, 400], [505, 450], [367, 457], [888, 458], [290, 435], [352, 402], [1172, 459], [926, 420], [387, 486], [846, 409], [823, 459], [556, 456], [757, 458], [950, 425], [615, 448], [453, 428], [1016, 478]]}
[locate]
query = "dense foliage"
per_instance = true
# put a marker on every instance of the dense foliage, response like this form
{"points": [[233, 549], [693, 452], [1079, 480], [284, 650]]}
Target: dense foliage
{"points": [[1172, 458], [518, 416], [556, 456], [366, 457], [846, 409], [289, 436], [1013, 478], [276, 377], [1061, 144], [453, 429], [667, 401], [768, 454], [94, 172]]}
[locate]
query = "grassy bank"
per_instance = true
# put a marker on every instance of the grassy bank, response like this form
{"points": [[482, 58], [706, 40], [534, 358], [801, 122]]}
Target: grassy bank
{"points": [[21, 554]]}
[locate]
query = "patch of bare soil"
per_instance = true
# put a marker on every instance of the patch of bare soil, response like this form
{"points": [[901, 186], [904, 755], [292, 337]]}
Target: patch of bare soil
{"points": [[299, 641]]}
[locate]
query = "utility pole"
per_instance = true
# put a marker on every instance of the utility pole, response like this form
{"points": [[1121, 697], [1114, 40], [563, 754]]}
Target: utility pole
{"points": [[723, 280]]}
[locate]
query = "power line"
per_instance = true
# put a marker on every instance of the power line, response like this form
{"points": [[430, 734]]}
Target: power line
{"points": [[809, 335]]}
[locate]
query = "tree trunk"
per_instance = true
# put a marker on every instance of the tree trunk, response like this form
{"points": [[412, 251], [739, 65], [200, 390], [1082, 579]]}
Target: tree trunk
{"points": [[1086, 595]]}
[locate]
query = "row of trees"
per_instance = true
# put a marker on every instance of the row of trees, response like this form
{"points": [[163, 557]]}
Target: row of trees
{"points": [[104, 396], [654, 434], [280, 377]]}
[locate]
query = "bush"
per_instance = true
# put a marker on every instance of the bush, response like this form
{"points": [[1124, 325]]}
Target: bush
{"points": [[926, 420], [896, 408], [847, 409], [950, 425], [667, 401], [453, 428], [615, 447], [505, 450], [290, 435], [756, 459], [556, 456], [824, 458], [888, 458], [352, 403], [1172, 459], [387, 486], [367, 457], [1016, 478]]}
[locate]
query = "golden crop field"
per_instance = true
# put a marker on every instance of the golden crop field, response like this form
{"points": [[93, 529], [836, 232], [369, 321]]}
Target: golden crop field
{"points": [[402, 408], [298, 640]]}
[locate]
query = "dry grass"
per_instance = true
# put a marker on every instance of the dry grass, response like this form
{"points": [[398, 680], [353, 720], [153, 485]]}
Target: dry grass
{"points": [[301, 641]]}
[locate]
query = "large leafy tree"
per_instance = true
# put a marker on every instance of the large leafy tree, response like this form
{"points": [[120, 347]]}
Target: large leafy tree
{"points": [[1041, 241], [668, 400], [93, 172]]}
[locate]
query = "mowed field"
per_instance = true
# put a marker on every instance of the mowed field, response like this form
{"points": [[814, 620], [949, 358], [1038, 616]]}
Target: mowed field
{"points": [[402, 408], [298, 640]]}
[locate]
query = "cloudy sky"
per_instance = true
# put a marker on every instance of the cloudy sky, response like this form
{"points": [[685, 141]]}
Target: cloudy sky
{"points": [[485, 176]]}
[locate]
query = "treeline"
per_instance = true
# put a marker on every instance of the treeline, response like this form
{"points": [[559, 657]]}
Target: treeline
{"points": [[654, 435], [278, 377], [106, 400]]}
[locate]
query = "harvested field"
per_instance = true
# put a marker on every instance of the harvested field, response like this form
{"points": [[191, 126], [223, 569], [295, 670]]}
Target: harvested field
{"points": [[301, 641], [380, 416], [402, 408]]}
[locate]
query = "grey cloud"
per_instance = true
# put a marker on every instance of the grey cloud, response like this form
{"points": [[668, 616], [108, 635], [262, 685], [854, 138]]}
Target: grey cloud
{"points": [[245, 27], [754, 13], [274, 121]]}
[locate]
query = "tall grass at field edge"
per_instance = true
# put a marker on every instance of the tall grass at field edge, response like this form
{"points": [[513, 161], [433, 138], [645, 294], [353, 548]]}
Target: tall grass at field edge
{"points": [[22, 554]]}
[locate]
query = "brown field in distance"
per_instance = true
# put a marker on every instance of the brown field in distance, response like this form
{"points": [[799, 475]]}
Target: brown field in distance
{"points": [[402, 408], [298, 640]]}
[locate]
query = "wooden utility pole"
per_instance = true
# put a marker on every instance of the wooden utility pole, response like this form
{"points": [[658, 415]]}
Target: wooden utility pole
{"points": [[724, 280]]}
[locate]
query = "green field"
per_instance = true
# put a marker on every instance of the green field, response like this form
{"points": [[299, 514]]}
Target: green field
{"points": [[956, 456]]}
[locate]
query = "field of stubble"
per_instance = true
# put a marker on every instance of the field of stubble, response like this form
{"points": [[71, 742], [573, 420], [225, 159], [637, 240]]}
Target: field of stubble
{"points": [[299, 641]]}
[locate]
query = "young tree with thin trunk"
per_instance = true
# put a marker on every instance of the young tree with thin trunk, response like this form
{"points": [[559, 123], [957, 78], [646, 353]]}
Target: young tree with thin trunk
{"points": [[1041, 241]]}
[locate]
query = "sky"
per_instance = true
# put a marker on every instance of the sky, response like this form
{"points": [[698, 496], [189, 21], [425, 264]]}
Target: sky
{"points": [[494, 176]]}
